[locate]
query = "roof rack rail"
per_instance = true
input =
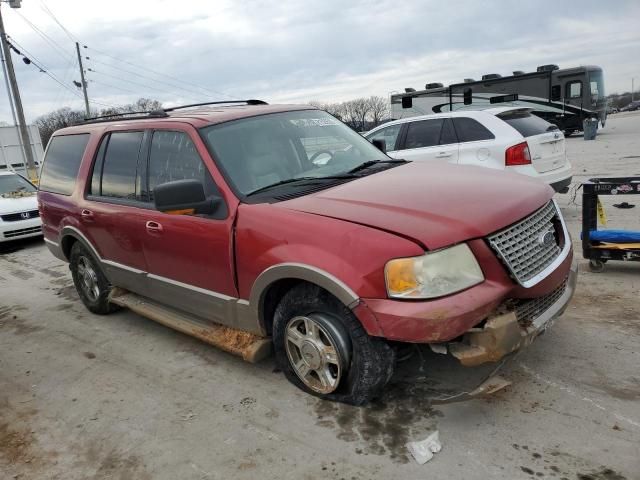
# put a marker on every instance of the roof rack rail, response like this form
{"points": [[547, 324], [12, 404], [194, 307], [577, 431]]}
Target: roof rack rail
{"points": [[246, 102], [126, 116]]}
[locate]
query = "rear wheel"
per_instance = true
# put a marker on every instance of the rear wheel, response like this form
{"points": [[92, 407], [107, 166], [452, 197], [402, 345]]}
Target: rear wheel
{"points": [[323, 349], [91, 284]]}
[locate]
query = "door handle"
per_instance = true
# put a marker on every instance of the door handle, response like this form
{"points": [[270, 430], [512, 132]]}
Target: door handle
{"points": [[443, 154], [154, 227], [87, 215]]}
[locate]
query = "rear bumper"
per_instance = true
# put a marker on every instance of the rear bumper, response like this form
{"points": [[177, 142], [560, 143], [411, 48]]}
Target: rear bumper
{"points": [[20, 229], [561, 186]]}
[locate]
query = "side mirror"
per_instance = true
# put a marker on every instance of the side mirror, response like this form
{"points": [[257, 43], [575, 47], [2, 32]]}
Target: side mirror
{"points": [[380, 144], [184, 196]]}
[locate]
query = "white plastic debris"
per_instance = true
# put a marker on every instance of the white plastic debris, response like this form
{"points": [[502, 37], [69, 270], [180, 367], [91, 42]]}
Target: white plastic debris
{"points": [[423, 450]]}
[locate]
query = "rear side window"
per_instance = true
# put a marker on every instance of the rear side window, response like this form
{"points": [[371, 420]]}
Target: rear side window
{"points": [[425, 133], [448, 134], [173, 156], [527, 124], [470, 130], [120, 165], [62, 163]]}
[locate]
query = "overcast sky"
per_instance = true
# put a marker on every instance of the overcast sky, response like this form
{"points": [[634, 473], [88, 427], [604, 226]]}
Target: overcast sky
{"points": [[296, 51]]}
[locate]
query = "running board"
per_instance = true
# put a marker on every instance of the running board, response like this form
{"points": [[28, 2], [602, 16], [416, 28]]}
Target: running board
{"points": [[249, 346]]}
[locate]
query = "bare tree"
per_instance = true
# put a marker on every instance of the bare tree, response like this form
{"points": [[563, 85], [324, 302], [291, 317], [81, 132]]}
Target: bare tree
{"points": [[61, 118], [379, 109], [65, 117]]}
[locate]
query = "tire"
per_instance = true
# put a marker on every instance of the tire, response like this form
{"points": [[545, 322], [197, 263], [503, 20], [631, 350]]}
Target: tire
{"points": [[596, 266], [91, 284], [363, 364]]}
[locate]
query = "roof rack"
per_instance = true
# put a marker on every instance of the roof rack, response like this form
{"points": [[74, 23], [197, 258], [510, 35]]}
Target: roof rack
{"points": [[246, 102], [126, 116], [163, 112]]}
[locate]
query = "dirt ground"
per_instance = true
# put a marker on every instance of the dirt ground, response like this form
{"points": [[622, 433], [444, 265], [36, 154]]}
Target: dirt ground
{"points": [[121, 397]]}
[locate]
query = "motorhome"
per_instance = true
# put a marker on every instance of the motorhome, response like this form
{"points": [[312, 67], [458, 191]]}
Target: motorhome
{"points": [[565, 97]]}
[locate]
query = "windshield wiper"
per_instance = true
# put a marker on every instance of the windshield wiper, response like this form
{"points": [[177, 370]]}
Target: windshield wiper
{"points": [[304, 180], [370, 163]]}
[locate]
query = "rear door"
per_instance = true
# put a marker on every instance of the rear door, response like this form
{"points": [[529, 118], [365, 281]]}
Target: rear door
{"points": [[546, 142], [113, 211], [477, 143], [189, 257], [428, 140]]}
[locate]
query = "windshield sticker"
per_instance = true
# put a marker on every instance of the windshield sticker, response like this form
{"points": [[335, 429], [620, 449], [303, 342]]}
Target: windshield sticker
{"points": [[314, 122]]}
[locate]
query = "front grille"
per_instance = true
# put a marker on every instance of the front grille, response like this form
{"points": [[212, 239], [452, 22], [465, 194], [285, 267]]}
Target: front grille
{"points": [[14, 217], [22, 231], [528, 310], [522, 247]]}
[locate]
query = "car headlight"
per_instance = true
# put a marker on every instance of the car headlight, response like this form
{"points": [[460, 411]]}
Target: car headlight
{"points": [[433, 274]]}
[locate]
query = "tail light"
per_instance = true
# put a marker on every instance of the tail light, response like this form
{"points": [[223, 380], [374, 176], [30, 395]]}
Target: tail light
{"points": [[517, 155]]}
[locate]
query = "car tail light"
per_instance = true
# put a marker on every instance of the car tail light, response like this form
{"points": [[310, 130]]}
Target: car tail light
{"points": [[517, 155]]}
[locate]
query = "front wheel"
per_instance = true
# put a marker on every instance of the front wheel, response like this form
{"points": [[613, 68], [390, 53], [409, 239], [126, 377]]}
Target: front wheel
{"points": [[323, 349]]}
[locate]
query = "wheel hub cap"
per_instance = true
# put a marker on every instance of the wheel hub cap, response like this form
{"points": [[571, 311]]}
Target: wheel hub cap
{"points": [[313, 354]]}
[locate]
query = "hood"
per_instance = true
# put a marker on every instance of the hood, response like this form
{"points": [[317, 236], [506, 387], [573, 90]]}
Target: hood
{"points": [[435, 205], [20, 204]]}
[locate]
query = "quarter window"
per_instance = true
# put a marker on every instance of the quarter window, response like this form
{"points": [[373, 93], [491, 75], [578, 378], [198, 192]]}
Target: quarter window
{"points": [[120, 165], [388, 134], [425, 133], [173, 156], [62, 163], [470, 130]]}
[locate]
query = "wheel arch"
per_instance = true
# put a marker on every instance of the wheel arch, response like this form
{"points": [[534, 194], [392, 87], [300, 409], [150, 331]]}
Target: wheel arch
{"points": [[70, 235], [278, 279]]}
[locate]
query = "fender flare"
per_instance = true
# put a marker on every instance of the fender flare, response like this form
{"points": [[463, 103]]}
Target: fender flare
{"points": [[300, 271], [69, 231]]}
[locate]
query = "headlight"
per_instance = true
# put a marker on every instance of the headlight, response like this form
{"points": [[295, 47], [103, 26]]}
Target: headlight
{"points": [[433, 274]]}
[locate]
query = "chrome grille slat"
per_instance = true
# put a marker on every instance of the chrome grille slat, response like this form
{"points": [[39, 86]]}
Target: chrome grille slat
{"points": [[518, 246], [527, 311]]}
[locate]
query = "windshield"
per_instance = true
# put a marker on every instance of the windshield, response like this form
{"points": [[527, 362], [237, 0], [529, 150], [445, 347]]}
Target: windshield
{"points": [[260, 151], [15, 185], [596, 81]]}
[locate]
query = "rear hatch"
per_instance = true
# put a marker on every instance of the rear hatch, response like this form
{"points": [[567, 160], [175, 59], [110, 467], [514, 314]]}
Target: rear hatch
{"points": [[546, 142]]}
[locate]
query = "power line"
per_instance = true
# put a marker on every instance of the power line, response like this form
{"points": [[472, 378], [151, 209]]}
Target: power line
{"points": [[51, 75], [58, 49], [129, 81], [48, 11], [100, 82], [200, 94], [182, 81]]}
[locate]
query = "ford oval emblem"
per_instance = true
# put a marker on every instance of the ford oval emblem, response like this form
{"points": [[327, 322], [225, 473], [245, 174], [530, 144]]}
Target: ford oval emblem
{"points": [[547, 238]]}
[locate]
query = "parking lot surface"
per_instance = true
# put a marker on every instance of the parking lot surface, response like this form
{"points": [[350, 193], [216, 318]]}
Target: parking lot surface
{"points": [[84, 396]]}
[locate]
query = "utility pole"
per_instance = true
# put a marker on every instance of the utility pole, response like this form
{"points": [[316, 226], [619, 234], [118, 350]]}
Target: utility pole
{"points": [[13, 110], [22, 125], [84, 84]]}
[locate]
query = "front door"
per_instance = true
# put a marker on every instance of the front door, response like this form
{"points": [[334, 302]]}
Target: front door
{"points": [[189, 257]]}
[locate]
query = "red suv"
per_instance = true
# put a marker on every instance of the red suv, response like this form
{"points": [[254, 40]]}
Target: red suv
{"points": [[249, 225]]}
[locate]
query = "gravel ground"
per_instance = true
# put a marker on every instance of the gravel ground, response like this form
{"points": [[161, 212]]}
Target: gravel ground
{"points": [[83, 396]]}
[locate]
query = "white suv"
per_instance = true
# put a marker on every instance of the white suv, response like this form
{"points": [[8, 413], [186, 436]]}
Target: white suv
{"points": [[504, 138]]}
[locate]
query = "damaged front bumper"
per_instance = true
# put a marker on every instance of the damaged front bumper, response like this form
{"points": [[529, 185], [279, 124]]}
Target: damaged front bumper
{"points": [[511, 330]]}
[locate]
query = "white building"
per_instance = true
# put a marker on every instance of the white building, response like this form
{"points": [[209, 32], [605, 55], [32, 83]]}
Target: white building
{"points": [[11, 154]]}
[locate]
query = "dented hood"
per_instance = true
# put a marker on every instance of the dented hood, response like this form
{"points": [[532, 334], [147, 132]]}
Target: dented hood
{"points": [[435, 205]]}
